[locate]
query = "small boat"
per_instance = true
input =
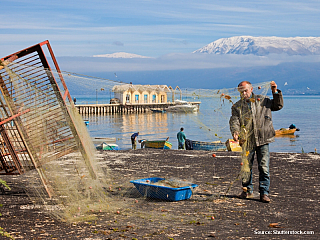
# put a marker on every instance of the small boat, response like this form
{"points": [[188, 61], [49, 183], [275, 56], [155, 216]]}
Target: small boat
{"points": [[107, 146], [100, 140], [158, 144], [285, 131], [209, 146], [86, 122], [182, 106], [155, 110]]}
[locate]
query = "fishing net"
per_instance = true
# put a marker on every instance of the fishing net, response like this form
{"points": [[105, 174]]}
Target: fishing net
{"points": [[61, 169], [213, 121], [51, 144]]}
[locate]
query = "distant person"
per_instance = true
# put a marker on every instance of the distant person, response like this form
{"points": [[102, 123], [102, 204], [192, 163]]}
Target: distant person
{"points": [[188, 144], [74, 101], [181, 139], [134, 140], [142, 142], [292, 126], [251, 124]]}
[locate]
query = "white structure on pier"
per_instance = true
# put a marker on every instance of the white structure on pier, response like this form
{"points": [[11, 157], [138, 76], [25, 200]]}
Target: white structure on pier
{"points": [[129, 93]]}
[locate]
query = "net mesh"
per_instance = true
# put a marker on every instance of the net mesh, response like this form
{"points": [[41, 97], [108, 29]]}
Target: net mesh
{"points": [[214, 120], [62, 170], [58, 157]]}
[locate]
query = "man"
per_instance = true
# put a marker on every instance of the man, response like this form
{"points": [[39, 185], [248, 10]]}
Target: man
{"points": [[251, 124], [142, 142], [181, 139], [134, 140]]}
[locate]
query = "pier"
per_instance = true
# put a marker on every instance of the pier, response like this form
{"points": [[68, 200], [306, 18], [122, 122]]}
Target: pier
{"points": [[124, 108]]}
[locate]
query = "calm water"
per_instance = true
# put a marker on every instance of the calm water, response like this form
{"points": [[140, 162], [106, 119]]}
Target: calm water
{"points": [[210, 124]]}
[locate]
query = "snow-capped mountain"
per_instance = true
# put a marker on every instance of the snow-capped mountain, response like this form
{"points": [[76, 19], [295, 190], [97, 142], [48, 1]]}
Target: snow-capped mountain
{"points": [[263, 46], [120, 55]]}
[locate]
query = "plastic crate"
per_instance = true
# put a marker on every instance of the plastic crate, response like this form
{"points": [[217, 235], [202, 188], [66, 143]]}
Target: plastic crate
{"points": [[148, 189]]}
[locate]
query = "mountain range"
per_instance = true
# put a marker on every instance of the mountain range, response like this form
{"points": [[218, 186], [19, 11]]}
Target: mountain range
{"points": [[243, 45], [121, 55], [263, 46]]}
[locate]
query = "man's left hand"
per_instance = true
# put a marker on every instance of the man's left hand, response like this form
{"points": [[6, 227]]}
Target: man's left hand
{"points": [[273, 86]]}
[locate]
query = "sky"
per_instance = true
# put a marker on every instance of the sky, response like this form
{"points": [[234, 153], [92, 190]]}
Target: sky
{"points": [[148, 27]]}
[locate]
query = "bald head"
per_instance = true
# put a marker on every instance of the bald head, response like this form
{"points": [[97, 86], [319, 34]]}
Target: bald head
{"points": [[245, 88]]}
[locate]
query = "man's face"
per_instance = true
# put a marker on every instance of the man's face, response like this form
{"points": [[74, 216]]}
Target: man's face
{"points": [[245, 90]]}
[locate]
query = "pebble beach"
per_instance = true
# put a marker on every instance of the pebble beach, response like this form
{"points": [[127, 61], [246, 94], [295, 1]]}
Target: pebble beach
{"points": [[213, 212]]}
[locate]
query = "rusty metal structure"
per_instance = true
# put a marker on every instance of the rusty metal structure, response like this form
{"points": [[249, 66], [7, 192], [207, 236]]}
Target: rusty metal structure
{"points": [[37, 122]]}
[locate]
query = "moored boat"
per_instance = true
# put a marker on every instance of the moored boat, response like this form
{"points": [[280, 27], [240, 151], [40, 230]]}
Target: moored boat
{"points": [[158, 144], [209, 146], [99, 140], [182, 106], [107, 146], [155, 110], [285, 131]]}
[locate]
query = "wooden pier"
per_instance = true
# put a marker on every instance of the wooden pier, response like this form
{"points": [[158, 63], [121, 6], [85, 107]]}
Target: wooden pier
{"points": [[85, 109]]}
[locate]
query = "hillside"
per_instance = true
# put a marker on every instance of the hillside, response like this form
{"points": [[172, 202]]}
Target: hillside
{"points": [[262, 46]]}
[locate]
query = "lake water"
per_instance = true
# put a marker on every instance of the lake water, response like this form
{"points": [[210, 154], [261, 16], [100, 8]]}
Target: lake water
{"points": [[209, 124]]}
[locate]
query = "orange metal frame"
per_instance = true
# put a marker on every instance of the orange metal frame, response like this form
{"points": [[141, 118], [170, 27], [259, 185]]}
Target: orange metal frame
{"points": [[18, 146]]}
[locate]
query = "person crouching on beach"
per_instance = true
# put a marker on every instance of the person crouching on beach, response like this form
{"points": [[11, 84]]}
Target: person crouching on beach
{"points": [[251, 124], [134, 140]]}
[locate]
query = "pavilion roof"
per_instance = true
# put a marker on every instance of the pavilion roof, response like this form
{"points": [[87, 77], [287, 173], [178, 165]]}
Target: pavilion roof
{"points": [[140, 88]]}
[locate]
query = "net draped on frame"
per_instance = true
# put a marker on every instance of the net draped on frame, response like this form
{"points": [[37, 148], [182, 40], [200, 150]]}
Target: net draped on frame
{"points": [[69, 177], [58, 156]]}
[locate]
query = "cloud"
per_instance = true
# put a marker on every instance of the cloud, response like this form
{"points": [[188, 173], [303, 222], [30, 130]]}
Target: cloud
{"points": [[118, 43], [151, 28], [177, 61]]}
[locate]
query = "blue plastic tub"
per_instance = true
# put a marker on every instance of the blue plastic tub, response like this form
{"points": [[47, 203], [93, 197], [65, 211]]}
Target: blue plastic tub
{"points": [[148, 188]]}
